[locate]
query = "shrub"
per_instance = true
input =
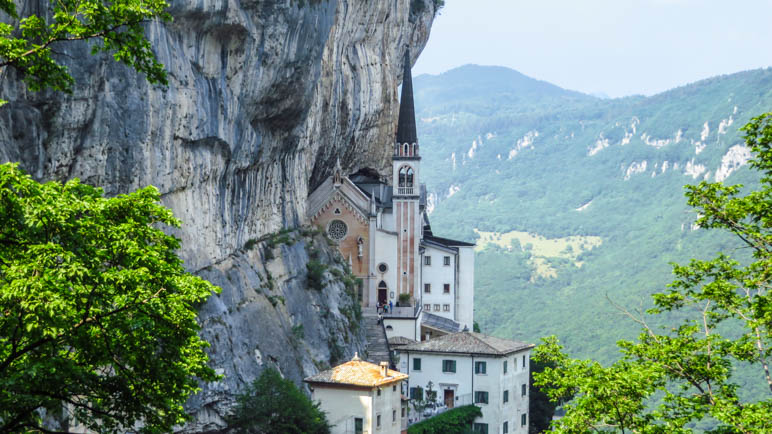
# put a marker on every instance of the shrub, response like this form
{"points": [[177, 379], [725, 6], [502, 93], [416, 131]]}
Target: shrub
{"points": [[272, 404], [454, 421], [404, 299], [315, 275]]}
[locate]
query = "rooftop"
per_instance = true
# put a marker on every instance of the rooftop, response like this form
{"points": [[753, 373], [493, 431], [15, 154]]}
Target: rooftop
{"points": [[440, 323], [401, 340], [469, 343], [357, 372]]}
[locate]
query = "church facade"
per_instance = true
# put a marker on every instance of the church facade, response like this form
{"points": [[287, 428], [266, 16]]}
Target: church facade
{"points": [[383, 231]]}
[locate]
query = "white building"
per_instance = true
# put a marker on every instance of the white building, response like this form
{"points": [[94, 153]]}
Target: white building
{"points": [[382, 229], [360, 397], [465, 368]]}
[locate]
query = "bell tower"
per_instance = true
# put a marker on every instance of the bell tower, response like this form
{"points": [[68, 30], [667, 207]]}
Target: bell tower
{"points": [[407, 190]]}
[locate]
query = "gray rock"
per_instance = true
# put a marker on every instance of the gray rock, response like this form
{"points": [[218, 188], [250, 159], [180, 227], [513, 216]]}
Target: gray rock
{"points": [[263, 97]]}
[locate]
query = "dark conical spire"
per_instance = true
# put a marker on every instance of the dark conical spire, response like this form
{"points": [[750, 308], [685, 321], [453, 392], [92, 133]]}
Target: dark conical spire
{"points": [[406, 126]]}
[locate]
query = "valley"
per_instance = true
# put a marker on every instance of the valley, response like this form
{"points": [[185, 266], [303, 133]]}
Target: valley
{"points": [[534, 168]]}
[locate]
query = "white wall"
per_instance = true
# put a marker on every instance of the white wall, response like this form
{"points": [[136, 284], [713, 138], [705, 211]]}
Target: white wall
{"points": [[405, 327], [385, 251], [464, 382], [343, 405], [437, 274], [465, 289]]}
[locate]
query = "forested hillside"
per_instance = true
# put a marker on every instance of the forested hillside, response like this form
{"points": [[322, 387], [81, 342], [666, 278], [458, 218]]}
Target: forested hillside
{"points": [[575, 200]]}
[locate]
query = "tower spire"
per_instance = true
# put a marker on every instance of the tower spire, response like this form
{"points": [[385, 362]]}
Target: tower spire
{"points": [[406, 131]]}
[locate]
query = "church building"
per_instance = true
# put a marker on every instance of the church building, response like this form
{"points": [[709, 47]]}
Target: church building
{"points": [[383, 231]]}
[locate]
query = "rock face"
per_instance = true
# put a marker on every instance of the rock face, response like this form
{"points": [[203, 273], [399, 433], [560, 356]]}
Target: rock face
{"points": [[263, 97]]}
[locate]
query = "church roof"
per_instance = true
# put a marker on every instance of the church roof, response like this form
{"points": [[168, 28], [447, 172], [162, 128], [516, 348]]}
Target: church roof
{"points": [[446, 242], [469, 343], [406, 130], [357, 372], [440, 323]]}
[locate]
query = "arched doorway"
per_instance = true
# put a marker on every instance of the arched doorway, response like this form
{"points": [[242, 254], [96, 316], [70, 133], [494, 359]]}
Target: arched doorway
{"points": [[383, 293]]}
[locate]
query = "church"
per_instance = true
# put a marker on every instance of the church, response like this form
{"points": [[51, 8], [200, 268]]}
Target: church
{"points": [[383, 231]]}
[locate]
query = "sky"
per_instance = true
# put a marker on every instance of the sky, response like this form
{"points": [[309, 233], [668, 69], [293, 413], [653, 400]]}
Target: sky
{"points": [[613, 47]]}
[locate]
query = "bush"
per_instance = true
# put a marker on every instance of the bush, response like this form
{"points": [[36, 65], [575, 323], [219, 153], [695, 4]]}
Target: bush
{"points": [[315, 277], [454, 421], [272, 404], [404, 299]]}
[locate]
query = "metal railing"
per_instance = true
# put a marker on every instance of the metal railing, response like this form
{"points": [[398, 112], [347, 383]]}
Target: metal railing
{"points": [[405, 191]]}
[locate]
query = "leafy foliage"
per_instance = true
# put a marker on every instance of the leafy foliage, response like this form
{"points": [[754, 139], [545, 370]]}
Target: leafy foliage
{"points": [[540, 408], [272, 404], [98, 314], [27, 42], [454, 421], [725, 308]]}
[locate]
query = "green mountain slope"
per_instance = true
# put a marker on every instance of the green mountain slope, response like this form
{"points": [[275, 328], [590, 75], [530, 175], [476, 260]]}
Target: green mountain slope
{"points": [[505, 156]]}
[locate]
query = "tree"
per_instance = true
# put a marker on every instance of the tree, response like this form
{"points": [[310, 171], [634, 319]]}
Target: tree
{"points": [[272, 404], [97, 314], [726, 312], [27, 42]]}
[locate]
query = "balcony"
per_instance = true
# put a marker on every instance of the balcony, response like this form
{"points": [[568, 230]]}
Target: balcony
{"points": [[406, 191]]}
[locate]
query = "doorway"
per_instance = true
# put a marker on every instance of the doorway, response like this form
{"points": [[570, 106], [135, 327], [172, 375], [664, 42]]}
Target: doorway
{"points": [[449, 398], [383, 293]]}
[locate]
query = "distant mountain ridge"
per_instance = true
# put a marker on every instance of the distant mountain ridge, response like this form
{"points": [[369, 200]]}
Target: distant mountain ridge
{"points": [[509, 159]]}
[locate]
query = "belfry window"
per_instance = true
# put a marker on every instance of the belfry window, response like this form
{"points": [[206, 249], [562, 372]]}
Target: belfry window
{"points": [[405, 152], [406, 176]]}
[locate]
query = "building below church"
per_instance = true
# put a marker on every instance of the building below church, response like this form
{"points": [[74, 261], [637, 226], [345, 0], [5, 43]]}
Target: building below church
{"points": [[383, 230]]}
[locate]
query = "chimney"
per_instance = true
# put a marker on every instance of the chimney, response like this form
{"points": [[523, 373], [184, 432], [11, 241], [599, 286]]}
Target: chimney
{"points": [[384, 369]]}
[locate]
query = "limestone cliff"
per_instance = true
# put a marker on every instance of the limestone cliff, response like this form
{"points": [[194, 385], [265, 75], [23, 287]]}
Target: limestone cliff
{"points": [[263, 97]]}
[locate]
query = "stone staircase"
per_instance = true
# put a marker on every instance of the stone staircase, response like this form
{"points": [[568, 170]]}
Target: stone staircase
{"points": [[377, 344]]}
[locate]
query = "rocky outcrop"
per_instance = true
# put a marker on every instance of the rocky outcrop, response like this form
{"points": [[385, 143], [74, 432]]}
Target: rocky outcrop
{"points": [[263, 97], [270, 315]]}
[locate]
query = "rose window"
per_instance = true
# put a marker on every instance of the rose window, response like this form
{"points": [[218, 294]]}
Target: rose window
{"points": [[337, 230]]}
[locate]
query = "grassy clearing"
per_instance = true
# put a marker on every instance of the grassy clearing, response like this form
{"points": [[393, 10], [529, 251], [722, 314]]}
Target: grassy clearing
{"points": [[541, 248]]}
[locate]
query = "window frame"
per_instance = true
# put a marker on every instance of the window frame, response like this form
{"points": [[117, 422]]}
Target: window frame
{"points": [[481, 367], [505, 398], [447, 364], [428, 260], [436, 307], [417, 359], [481, 397], [523, 390], [480, 427], [446, 288], [505, 366], [524, 419], [446, 307], [446, 261], [427, 288]]}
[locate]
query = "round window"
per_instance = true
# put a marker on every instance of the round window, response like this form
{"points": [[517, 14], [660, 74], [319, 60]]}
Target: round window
{"points": [[382, 267], [337, 230]]}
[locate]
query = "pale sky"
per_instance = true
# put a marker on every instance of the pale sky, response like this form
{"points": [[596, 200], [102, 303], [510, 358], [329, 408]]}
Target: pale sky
{"points": [[617, 47]]}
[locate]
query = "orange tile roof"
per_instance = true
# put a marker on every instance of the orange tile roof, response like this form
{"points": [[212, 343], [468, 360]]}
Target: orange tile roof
{"points": [[357, 372]]}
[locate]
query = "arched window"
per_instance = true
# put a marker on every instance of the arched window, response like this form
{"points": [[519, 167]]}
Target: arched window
{"points": [[405, 152], [409, 181], [402, 176], [382, 285]]}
